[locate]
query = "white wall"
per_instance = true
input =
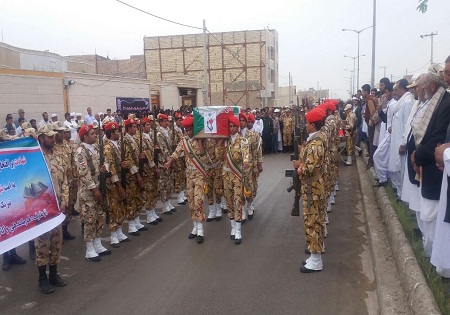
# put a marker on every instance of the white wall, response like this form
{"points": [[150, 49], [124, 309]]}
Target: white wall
{"points": [[170, 96], [99, 92], [35, 94]]}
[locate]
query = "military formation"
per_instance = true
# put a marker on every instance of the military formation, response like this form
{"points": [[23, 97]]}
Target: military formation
{"points": [[116, 172]]}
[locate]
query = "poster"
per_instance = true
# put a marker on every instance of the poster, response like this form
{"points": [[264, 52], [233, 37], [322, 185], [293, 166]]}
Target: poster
{"points": [[28, 203], [131, 105]]}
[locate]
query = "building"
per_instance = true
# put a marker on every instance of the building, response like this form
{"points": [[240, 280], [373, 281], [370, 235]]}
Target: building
{"points": [[286, 96], [39, 81], [313, 95], [241, 67]]}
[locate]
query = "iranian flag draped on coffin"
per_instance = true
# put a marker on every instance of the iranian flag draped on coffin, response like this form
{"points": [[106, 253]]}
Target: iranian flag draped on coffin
{"points": [[212, 121]]}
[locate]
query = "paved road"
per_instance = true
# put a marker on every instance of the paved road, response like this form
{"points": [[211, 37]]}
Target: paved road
{"points": [[162, 272]]}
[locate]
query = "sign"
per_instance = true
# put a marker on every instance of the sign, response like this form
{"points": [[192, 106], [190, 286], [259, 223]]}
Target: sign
{"points": [[28, 203], [131, 105]]}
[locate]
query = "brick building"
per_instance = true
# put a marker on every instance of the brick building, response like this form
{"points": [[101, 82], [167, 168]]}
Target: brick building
{"points": [[242, 66]]}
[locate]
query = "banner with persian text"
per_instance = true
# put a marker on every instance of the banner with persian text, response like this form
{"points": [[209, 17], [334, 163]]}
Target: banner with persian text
{"points": [[28, 203]]}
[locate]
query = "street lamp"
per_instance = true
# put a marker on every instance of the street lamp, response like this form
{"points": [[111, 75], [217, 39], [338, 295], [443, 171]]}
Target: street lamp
{"points": [[352, 78], [357, 32], [354, 58]]}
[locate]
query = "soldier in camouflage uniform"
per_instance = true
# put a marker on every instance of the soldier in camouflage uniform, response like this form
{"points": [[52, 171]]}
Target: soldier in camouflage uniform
{"points": [[73, 186], [134, 181], [179, 167], [115, 194], [62, 147], [195, 157], [166, 176], [310, 170], [214, 190], [88, 164], [236, 172], [49, 245], [255, 148], [349, 129], [333, 128], [288, 130], [149, 172]]}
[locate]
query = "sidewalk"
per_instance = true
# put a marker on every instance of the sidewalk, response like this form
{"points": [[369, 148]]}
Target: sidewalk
{"points": [[401, 257]]}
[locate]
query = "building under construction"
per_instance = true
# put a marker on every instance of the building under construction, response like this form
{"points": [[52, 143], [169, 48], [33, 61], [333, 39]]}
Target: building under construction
{"points": [[241, 67]]}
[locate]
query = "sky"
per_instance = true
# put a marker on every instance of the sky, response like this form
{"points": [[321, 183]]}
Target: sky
{"points": [[311, 47]]}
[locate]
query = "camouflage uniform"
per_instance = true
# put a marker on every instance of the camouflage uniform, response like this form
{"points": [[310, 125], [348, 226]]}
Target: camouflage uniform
{"points": [[214, 173], [73, 186], [288, 129], [88, 161], [66, 151], [255, 150], [166, 176], [179, 167], [313, 191], [49, 245], [111, 150], [196, 179], [133, 191], [150, 193], [234, 185]]}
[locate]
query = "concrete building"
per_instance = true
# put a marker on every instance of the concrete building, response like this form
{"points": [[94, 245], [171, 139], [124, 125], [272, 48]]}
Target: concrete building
{"points": [[43, 81], [242, 67], [313, 95], [285, 97]]}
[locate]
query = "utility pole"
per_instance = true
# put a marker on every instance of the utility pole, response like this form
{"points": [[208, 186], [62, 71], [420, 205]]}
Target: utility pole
{"points": [[289, 88], [384, 72], [374, 32], [432, 36], [205, 65]]}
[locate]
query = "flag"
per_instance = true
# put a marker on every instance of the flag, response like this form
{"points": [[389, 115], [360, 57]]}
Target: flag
{"points": [[212, 121], [28, 203]]}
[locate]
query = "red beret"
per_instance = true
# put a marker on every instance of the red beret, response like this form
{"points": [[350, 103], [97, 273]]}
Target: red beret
{"points": [[335, 102], [188, 122], [242, 115], [233, 120], [130, 121], [314, 115], [144, 121], [331, 106], [178, 116], [162, 117], [323, 106], [84, 130], [251, 118], [111, 126]]}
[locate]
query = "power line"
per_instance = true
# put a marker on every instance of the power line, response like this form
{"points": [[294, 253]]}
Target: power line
{"points": [[158, 17]]}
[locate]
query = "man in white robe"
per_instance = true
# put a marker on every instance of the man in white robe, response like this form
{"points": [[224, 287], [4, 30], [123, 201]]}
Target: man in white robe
{"points": [[381, 155], [440, 257], [400, 113]]}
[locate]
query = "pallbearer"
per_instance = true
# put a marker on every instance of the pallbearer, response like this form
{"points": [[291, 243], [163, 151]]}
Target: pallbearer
{"points": [[195, 157], [310, 171], [214, 192], [236, 172]]}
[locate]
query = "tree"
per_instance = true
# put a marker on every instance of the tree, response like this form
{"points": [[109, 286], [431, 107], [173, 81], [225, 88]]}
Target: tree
{"points": [[423, 6]]}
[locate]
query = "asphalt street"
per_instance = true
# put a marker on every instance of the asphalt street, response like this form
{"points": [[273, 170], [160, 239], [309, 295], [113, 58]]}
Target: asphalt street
{"points": [[163, 272]]}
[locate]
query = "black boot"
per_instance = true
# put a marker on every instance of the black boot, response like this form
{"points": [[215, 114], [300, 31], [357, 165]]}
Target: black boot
{"points": [[54, 278], [31, 250], [44, 285], [66, 235], [6, 265], [15, 259]]}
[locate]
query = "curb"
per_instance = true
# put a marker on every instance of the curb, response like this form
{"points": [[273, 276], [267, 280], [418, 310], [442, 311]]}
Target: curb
{"points": [[420, 298]]}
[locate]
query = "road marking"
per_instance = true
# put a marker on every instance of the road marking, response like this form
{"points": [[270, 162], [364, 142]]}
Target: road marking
{"points": [[150, 248]]}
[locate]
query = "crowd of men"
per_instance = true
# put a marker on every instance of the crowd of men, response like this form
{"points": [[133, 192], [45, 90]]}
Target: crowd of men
{"points": [[127, 167], [408, 132]]}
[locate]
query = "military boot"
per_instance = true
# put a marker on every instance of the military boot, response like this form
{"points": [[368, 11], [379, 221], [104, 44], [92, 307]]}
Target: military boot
{"points": [[6, 265], [44, 285], [15, 259], [54, 278], [66, 235], [31, 250]]}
